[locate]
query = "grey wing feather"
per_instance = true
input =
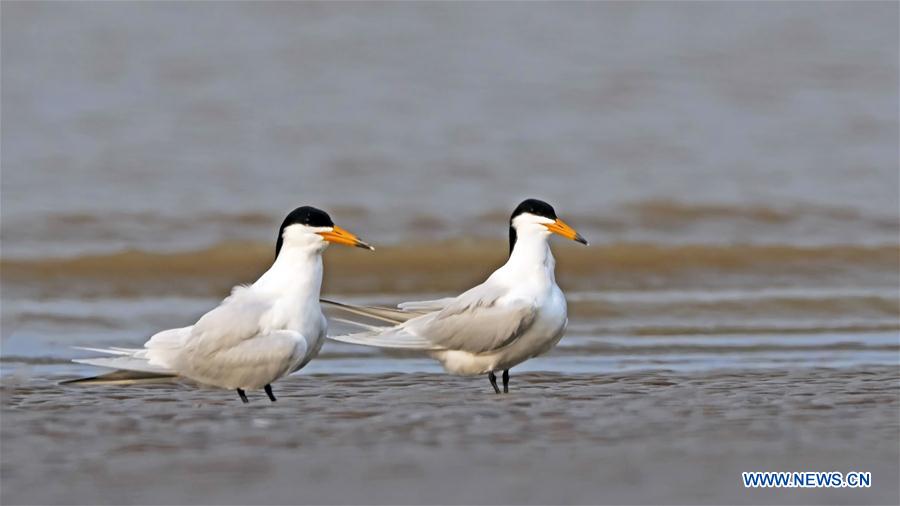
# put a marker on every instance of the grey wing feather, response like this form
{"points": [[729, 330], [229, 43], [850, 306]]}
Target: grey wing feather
{"points": [[476, 322], [235, 320]]}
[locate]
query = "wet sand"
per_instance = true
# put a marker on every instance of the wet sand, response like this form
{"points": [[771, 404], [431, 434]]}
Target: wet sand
{"points": [[733, 165], [635, 438]]}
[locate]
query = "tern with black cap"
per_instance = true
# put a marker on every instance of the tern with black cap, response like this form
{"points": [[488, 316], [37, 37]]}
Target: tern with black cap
{"points": [[518, 313], [260, 333]]}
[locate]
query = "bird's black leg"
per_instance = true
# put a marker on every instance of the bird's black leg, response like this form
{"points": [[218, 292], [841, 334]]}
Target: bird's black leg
{"points": [[270, 394], [506, 381], [493, 379], [243, 396]]}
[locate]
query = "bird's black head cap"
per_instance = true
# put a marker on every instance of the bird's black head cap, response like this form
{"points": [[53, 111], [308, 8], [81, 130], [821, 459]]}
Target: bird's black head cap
{"points": [[305, 215], [531, 206]]}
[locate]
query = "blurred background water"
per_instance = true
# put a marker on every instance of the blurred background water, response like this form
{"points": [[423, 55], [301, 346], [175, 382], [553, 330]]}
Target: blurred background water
{"points": [[735, 167]]}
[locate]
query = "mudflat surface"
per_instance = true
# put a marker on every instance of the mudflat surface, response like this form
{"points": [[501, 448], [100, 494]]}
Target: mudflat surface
{"points": [[734, 166], [639, 437]]}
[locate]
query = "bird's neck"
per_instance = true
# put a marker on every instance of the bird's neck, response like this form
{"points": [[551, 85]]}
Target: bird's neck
{"points": [[531, 252], [296, 274]]}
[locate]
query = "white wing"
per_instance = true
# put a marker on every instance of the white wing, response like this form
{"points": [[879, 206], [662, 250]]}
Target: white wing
{"points": [[251, 363], [229, 347], [236, 319], [162, 349]]}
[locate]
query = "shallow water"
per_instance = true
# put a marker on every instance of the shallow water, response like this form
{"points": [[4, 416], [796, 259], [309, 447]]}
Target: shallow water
{"points": [[733, 209], [609, 331], [178, 127], [151, 151]]}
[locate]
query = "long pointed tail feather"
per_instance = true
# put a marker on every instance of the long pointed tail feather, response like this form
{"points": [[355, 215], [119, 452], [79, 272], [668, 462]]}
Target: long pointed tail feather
{"points": [[127, 363], [112, 350], [384, 314], [393, 335], [121, 378], [381, 339], [363, 326], [130, 366]]}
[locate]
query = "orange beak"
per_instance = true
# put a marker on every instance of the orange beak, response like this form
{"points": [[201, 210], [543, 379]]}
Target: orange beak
{"points": [[338, 235], [560, 227]]}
